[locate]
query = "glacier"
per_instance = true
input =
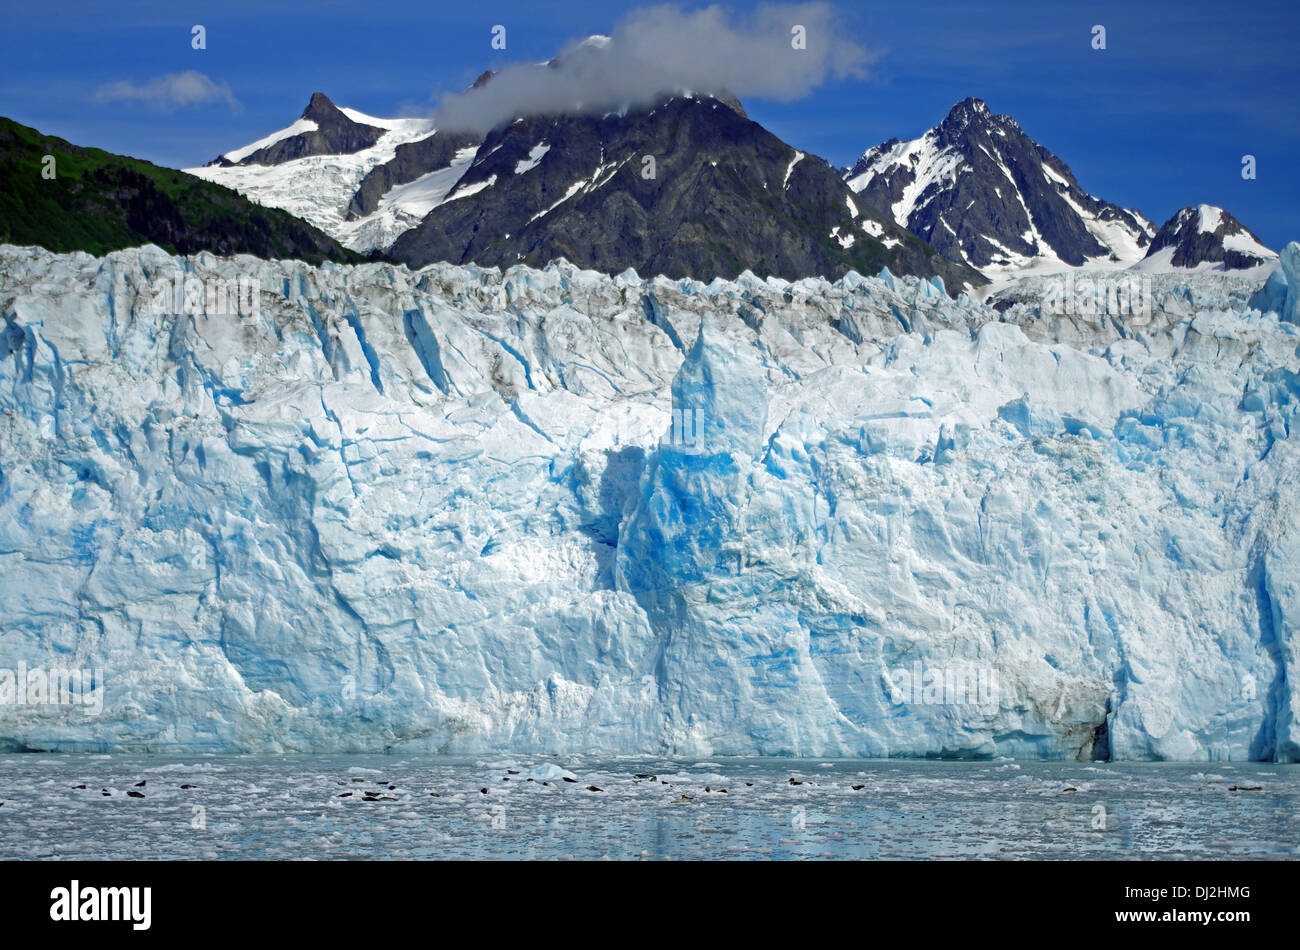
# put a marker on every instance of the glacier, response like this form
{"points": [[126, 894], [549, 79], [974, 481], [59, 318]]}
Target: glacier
{"points": [[463, 510]]}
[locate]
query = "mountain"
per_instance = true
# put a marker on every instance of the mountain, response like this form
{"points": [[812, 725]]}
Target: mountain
{"points": [[556, 511], [99, 202], [723, 195], [326, 187], [410, 162], [322, 129], [982, 192], [726, 195], [1207, 235]]}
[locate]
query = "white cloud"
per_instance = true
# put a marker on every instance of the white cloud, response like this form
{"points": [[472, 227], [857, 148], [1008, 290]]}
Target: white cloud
{"points": [[660, 50], [172, 91]]}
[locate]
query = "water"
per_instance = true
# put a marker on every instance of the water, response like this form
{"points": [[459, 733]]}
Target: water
{"points": [[297, 807]]}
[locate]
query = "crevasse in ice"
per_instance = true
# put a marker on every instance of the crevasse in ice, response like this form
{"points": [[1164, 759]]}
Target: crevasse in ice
{"points": [[548, 510]]}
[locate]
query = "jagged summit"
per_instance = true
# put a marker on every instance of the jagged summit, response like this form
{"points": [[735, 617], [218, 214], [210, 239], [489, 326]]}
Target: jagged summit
{"points": [[321, 109], [322, 129], [719, 195], [981, 191], [968, 110], [723, 194]]}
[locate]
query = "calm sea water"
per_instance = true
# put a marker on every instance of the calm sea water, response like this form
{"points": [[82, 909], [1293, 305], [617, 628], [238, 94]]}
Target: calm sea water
{"points": [[340, 807]]}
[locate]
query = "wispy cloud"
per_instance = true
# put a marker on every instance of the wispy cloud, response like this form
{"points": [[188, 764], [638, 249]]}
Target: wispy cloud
{"points": [[780, 52], [169, 92]]}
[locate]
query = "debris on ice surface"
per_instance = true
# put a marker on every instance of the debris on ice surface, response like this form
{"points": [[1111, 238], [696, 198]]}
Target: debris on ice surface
{"points": [[539, 511]]}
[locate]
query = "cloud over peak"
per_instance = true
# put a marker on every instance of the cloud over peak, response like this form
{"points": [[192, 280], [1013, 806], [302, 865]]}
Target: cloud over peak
{"points": [[782, 52]]}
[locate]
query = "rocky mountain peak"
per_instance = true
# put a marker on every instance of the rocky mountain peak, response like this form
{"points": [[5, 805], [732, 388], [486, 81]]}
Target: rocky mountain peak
{"points": [[981, 191], [322, 129], [1207, 234], [321, 109]]}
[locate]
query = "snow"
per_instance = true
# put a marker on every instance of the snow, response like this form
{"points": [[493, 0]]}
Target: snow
{"points": [[396, 125], [597, 179], [798, 156], [405, 206], [934, 168], [931, 164], [1162, 262], [534, 157], [457, 510], [1052, 175], [572, 190], [473, 189], [1119, 239], [421, 196], [319, 188], [1209, 221], [299, 127], [1208, 218], [1243, 243]]}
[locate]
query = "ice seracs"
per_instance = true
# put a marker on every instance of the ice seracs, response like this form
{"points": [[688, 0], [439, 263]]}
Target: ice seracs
{"points": [[1281, 293], [459, 509]]}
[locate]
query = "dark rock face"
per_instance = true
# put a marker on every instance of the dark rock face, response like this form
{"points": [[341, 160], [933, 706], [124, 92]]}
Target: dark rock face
{"points": [[723, 195], [1206, 234], [981, 191], [410, 162], [335, 134]]}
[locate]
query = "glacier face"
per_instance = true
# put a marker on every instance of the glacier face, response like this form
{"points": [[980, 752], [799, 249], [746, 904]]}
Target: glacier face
{"points": [[460, 510]]}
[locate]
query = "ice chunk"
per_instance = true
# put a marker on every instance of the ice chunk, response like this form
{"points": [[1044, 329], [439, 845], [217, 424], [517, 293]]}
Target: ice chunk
{"points": [[1281, 292], [1290, 265], [1272, 296]]}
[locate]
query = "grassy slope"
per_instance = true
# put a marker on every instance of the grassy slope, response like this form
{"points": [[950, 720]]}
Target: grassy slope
{"points": [[100, 202]]}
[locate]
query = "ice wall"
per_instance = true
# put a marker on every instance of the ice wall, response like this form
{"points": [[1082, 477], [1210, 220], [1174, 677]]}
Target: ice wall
{"points": [[455, 510]]}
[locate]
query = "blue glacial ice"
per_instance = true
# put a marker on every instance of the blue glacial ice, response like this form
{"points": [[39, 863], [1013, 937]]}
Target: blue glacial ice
{"points": [[1281, 292], [459, 510]]}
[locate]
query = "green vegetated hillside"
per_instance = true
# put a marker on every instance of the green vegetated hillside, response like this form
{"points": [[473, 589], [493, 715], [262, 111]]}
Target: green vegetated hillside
{"points": [[100, 202]]}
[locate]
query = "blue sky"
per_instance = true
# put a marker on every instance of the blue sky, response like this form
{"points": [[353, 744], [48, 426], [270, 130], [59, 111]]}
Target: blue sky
{"points": [[1159, 119]]}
